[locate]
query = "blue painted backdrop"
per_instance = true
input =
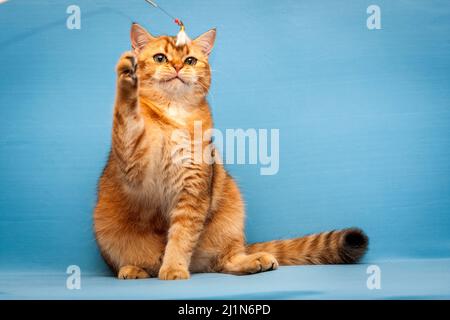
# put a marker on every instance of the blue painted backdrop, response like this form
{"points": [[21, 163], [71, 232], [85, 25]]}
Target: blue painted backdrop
{"points": [[363, 115]]}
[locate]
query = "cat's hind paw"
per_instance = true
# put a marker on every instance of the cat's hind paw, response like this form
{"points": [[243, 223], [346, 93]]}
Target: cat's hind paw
{"points": [[261, 262], [248, 264]]}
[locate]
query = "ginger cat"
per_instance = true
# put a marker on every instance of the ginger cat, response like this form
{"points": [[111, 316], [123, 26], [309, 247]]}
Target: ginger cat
{"points": [[159, 217]]}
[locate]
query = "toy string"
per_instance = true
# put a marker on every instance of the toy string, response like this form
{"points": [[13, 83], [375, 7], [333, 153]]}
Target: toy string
{"points": [[176, 20]]}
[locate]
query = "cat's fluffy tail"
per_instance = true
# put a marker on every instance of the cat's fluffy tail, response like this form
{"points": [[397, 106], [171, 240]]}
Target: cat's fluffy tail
{"points": [[333, 247]]}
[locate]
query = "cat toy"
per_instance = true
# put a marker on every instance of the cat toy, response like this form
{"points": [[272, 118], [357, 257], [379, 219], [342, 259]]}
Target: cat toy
{"points": [[182, 37]]}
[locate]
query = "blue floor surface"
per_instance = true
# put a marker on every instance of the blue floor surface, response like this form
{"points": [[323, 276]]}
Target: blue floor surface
{"points": [[405, 279]]}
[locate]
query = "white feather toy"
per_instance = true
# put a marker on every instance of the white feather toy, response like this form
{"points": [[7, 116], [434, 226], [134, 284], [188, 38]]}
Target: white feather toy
{"points": [[182, 37]]}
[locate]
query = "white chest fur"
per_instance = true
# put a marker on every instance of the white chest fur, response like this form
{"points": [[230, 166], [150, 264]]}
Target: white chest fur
{"points": [[177, 112]]}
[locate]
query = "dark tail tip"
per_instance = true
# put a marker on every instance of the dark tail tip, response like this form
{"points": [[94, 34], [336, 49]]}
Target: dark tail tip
{"points": [[354, 244]]}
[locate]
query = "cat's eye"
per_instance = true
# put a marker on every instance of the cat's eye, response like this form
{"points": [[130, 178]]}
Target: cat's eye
{"points": [[160, 58], [190, 61]]}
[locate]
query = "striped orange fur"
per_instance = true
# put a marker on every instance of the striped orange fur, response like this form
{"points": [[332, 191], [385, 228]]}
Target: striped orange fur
{"points": [[159, 217]]}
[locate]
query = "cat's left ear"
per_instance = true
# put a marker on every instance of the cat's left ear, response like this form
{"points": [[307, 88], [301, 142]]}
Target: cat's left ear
{"points": [[206, 41]]}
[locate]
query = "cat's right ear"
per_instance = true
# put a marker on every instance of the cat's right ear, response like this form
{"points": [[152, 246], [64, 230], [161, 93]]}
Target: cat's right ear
{"points": [[139, 37]]}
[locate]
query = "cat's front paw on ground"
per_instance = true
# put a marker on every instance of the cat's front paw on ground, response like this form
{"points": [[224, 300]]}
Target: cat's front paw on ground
{"points": [[132, 272], [126, 69], [173, 273]]}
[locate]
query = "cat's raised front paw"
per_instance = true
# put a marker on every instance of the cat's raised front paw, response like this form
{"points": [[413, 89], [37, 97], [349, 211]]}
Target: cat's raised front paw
{"points": [[126, 69], [173, 273]]}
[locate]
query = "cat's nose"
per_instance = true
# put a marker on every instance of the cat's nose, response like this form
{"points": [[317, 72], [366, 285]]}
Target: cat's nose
{"points": [[178, 66]]}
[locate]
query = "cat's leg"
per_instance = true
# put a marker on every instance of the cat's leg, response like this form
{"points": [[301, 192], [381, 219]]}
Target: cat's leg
{"points": [[132, 255], [128, 135], [222, 249], [186, 225], [138, 255], [222, 244], [131, 249], [228, 242]]}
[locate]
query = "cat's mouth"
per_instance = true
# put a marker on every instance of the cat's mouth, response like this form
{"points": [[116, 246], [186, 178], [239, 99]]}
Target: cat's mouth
{"points": [[175, 79]]}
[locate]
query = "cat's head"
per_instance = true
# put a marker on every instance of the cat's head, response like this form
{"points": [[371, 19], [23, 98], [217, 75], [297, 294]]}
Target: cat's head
{"points": [[169, 70]]}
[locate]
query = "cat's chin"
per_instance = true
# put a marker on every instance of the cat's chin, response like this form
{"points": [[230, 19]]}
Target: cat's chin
{"points": [[175, 89], [175, 86], [176, 80]]}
